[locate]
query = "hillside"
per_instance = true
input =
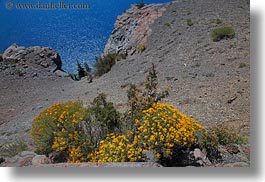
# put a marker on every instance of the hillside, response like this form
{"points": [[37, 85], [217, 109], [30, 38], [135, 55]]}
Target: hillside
{"points": [[209, 80]]}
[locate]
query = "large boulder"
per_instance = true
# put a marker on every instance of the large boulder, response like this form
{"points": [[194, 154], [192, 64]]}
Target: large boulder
{"points": [[36, 57]]}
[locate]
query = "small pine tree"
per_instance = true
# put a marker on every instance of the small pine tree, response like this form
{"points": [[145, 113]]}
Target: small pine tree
{"points": [[151, 82], [106, 117], [87, 68], [80, 70]]}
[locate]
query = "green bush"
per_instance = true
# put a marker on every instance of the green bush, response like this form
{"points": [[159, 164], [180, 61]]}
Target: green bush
{"points": [[225, 32], [141, 48], [104, 64], [81, 72], [74, 77], [12, 149], [220, 135], [217, 21], [142, 99], [189, 22], [140, 5], [104, 117], [168, 24]]}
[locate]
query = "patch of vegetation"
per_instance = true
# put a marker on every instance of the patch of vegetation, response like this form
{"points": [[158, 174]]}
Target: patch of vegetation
{"points": [[196, 65], [160, 128], [19, 72], [104, 117], [209, 75], [225, 32], [188, 12], [140, 4], [141, 48], [82, 71], [104, 64], [242, 65], [168, 24], [221, 135], [217, 21], [189, 22], [57, 128], [142, 99], [12, 149]]}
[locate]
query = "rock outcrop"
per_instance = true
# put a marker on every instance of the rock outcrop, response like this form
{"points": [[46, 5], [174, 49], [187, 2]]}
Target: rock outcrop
{"points": [[36, 57], [132, 28]]}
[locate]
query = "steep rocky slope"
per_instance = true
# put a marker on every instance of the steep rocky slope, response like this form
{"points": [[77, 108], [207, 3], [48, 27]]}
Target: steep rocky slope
{"points": [[209, 80]]}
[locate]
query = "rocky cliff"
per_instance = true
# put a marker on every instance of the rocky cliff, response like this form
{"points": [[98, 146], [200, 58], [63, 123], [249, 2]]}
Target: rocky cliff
{"points": [[132, 28]]}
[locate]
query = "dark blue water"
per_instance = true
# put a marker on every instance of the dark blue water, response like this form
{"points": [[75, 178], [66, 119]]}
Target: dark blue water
{"points": [[76, 34]]}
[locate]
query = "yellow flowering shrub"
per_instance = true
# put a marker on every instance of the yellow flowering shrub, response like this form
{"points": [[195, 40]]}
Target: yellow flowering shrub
{"points": [[116, 148], [162, 127], [58, 129]]}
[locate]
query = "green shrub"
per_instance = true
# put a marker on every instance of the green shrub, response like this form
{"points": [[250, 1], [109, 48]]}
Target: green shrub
{"points": [[225, 32], [81, 72], [87, 68], [104, 64], [104, 117], [142, 99], [189, 22], [12, 149], [217, 21], [74, 77], [242, 65], [141, 48], [19, 72], [168, 24], [220, 135], [140, 4], [227, 135], [188, 12]]}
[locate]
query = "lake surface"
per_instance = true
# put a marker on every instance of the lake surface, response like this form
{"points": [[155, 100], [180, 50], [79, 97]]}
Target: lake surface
{"points": [[77, 34]]}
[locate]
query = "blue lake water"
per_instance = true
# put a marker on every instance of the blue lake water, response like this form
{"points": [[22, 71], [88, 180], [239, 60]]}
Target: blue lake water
{"points": [[79, 34]]}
